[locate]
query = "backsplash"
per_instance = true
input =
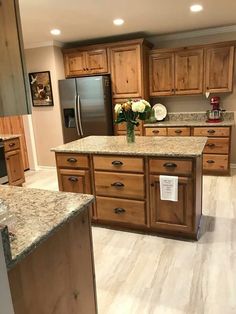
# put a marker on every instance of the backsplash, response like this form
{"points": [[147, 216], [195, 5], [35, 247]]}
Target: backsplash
{"points": [[195, 116]]}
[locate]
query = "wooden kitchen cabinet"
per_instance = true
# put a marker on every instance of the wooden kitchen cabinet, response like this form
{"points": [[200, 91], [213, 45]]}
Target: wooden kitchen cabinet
{"points": [[168, 215], [76, 181], [219, 63], [161, 74], [80, 63]]}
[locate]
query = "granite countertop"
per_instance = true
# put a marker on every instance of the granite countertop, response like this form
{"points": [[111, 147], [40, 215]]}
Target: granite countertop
{"points": [[143, 146], [192, 119], [33, 215], [5, 137]]}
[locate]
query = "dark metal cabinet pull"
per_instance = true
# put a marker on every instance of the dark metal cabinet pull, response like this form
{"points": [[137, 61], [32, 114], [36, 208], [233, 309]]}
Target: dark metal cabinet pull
{"points": [[117, 184], [155, 131], [119, 210], [170, 165], [12, 144], [73, 179], [71, 159], [178, 131], [211, 131], [117, 163], [210, 161], [210, 145]]}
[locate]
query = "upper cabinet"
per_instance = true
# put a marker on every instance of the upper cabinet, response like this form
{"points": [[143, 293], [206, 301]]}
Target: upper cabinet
{"points": [[14, 89], [88, 62], [219, 63], [191, 70]]}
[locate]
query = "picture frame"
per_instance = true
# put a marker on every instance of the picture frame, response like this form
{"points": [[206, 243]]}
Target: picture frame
{"points": [[41, 89]]}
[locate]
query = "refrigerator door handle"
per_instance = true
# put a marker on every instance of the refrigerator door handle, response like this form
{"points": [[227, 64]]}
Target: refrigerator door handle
{"points": [[79, 116], [76, 116]]}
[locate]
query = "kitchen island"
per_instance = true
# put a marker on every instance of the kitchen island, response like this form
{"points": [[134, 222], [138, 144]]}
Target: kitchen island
{"points": [[125, 179], [48, 250]]}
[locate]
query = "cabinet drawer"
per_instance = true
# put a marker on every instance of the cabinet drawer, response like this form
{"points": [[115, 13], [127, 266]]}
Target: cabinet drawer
{"points": [[72, 161], [178, 131], [215, 162], [12, 144], [217, 146], [120, 210], [155, 131], [214, 131], [116, 163], [120, 185], [170, 166]]}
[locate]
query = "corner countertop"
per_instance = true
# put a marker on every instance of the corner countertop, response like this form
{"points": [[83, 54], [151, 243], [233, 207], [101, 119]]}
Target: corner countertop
{"points": [[143, 146], [5, 137], [33, 215], [170, 123]]}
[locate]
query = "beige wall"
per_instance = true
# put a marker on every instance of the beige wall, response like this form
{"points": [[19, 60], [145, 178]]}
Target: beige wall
{"points": [[198, 103], [47, 120]]}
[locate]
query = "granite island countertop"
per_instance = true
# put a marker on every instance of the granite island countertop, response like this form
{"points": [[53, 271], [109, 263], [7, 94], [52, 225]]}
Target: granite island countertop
{"points": [[35, 215], [143, 146]]}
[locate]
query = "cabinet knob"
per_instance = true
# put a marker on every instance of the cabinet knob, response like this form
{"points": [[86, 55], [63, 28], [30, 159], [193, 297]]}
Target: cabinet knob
{"points": [[72, 160], [211, 131], [12, 144], [119, 210], [211, 145], [73, 179], [178, 131], [170, 165], [118, 184], [117, 163], [155, 131], [210, 161]]}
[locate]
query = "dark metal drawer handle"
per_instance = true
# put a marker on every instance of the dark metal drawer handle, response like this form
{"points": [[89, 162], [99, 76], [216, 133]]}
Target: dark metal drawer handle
{"points": [[12, 144], [71, 159], [155, 131], [178, 131], [73, 179], [117, 163], [210, 145], [210, 161], [119, 210], [170, 165], [211, 131], [117, 184]]}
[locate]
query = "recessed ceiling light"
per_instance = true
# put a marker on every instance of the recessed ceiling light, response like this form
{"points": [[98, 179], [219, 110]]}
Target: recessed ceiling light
{"points": [[118, 22], [55, 31], [196, 8]]}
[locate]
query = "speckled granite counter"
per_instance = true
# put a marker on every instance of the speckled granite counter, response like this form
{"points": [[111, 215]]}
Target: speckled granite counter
{"points": [[36, 215], [189, 119], [5, 137], [143, 146]]}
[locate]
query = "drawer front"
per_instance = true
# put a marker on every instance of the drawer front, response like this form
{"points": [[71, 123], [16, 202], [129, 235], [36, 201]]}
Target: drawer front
{"points": [[178, 131], [120, 210], [120, 185], [72, 161], [170, 166], [211, 131], [215, 162], [12, 144], [217, 146], [116, 163], [155, 131]]}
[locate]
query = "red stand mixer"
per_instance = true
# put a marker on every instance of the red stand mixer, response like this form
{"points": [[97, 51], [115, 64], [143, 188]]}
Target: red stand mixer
{"points": [[214, 115]]}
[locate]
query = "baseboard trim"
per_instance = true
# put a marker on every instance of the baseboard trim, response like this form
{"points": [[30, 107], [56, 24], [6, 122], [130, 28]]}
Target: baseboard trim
{"points": [[46, 167], [233, 166]]}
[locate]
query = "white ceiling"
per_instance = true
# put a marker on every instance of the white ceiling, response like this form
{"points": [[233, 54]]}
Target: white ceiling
{"points": [[88, 19]]}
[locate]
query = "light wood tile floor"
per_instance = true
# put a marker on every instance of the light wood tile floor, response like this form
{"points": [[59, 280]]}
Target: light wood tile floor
{"points": [[142, 274]]}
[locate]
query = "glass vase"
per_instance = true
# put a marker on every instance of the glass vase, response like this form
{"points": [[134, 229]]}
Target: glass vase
{"points": [[130, 135]]}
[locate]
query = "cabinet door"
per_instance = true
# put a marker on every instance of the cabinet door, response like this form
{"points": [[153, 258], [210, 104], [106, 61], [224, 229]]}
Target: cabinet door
{"points": [[219, 64], [168, 215], [189, 72], [126, 71], [75, 63], [161, 74], [96, 61], [15, 170], [77, 181]]}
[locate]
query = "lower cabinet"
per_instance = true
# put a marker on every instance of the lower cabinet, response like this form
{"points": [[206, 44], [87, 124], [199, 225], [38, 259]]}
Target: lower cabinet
{"points": [[168, 215], [15, 169], [76, 181]]}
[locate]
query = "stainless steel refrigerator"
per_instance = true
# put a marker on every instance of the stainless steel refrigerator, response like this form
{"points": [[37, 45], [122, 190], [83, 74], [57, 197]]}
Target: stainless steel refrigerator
{"points": [[86, 107]]}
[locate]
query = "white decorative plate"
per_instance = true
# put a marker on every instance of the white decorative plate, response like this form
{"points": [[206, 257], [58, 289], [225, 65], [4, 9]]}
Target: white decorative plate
{"points": [[160, 111]]}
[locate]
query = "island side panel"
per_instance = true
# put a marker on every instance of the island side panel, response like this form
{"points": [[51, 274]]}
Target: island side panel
{"points": [[58, 277]]}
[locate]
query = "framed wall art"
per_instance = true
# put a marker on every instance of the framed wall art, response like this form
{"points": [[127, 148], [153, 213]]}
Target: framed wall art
{"points": [[41, 88]]}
